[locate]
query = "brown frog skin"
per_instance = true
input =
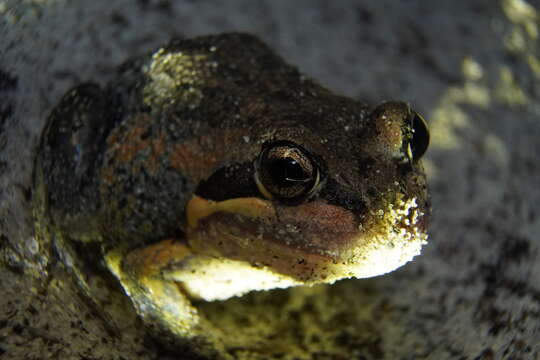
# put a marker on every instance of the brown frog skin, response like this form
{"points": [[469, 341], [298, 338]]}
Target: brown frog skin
{"points": [[211, 168]]}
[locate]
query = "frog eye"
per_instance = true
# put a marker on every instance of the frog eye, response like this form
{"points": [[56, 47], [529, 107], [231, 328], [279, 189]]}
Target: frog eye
{"points": [[286, 171], [420, 136]]}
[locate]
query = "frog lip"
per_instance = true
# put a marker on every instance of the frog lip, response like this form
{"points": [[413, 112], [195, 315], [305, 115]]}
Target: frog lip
{"points": [[312, 243], [314, 228]]}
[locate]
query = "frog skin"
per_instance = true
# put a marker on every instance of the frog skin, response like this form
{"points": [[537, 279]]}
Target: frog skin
{"points": [[210, 168]]}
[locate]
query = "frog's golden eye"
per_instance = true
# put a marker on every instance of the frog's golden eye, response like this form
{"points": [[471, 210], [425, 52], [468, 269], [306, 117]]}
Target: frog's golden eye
{"points": [[420, 136], [286, 171]]}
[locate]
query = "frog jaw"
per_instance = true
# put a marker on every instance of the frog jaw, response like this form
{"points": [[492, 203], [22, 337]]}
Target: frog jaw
{"points": [[237, 241]]}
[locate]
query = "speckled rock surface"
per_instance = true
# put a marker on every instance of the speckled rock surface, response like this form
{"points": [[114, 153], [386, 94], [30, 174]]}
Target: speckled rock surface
{"points": [[472, 68]]}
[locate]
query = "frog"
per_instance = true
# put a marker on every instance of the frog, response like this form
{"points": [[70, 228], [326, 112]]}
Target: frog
{"points": [[210, 168]]}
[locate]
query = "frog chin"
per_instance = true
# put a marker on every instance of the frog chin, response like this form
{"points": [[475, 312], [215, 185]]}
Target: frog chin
{"points": [[246, 244]]}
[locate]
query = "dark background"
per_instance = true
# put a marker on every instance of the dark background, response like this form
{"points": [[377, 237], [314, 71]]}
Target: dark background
{"points": [[471, 68]]}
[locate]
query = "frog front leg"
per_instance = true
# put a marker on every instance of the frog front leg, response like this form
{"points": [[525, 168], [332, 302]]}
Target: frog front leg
{"points": [[162, 302]]}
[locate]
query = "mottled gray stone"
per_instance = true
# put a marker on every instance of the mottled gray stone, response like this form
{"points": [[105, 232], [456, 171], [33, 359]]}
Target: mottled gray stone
{"points": [[470, 67]]}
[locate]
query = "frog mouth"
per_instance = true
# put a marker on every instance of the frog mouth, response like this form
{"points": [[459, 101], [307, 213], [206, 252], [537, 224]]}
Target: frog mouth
{"points": [[204, 292], [242, 296], [245, 244]]}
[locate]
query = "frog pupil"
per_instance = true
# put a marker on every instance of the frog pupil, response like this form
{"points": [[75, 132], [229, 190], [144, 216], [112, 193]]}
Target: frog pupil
{"points": [[287, 172]]}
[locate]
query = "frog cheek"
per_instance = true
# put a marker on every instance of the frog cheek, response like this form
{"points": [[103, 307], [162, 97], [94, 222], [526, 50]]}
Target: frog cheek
{"points": [[342, 244], [250, 230]]}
